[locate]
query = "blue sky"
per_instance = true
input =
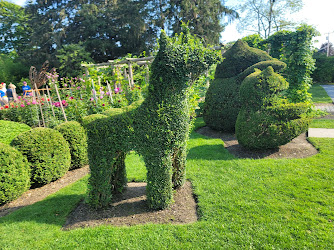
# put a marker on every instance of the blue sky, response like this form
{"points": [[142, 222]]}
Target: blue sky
{"points": [[319, 13]]}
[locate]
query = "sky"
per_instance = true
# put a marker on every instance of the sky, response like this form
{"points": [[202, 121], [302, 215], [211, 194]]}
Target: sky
{"points": [[318, 13]]}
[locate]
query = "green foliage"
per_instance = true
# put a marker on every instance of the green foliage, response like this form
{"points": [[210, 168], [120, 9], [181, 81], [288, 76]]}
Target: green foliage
{"points": [[254, 41], [47, 152], [324, 69], [238, 58], [14, 28], [157, 128], [295, 49], [70, 58], [11, 70], [14, 174], [9, 130], [76, 137], [266, 119], [222, 101]]}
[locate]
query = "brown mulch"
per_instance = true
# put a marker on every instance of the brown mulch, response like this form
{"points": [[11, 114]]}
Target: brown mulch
{"points": [[38, 194], [130, 208], [297, 148]]}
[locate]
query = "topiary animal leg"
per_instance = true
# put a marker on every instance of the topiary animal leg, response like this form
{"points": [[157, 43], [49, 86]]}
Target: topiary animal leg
{"points": [[159, 180], [179, 166], [107, 177]]}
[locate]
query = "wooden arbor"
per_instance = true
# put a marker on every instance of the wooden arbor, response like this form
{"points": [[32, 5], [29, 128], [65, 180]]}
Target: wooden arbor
{"points": [[118, 66]]}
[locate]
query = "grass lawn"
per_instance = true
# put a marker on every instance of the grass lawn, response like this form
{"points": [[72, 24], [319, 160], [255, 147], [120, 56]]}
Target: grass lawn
{"points": [[319, 95], [322, 123], [243, 203]]}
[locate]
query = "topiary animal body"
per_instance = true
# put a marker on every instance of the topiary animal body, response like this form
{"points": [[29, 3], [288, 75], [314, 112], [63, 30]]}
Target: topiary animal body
{"points": [[157, 129], [222, 101], [267, 120]]}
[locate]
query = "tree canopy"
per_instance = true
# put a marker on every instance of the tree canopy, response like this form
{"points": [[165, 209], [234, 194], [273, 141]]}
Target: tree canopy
{"points": [[106, 29]]}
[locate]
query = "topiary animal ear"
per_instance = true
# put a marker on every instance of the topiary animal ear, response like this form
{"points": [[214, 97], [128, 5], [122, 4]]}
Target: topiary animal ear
{"points": [[163, 41]]}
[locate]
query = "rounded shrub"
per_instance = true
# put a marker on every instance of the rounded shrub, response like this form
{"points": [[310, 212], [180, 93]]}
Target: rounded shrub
{"points": [[238, 58], [76, 137], [222, 104], [222, 100], [266, 119], [9, 130], [47, 152], [14, 174]]}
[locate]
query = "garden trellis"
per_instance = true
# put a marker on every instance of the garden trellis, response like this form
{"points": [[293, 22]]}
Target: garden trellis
{"points": [[126, 65]]}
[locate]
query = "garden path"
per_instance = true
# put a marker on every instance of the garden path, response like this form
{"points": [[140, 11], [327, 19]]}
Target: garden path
{"points": [[328, 107], [330, 90]]}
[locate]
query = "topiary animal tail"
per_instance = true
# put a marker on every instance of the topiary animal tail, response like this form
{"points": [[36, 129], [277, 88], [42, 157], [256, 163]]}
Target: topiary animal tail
{"points": [[157, 128]]}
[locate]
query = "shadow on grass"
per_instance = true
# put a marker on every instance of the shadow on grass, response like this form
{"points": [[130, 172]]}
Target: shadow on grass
{"points": [[209, 152], [52, 210]]}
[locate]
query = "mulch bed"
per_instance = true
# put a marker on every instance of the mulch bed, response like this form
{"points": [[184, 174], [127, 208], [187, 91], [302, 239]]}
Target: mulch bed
{"points": [[297, 148], [131, 208]]}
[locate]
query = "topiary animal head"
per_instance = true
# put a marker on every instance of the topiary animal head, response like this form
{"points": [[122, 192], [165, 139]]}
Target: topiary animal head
{"points": [[262, 87], [180, 60]]}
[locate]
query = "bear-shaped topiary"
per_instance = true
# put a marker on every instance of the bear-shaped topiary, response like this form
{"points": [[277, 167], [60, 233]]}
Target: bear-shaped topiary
{"points": [[266, 119], [222, 101]]}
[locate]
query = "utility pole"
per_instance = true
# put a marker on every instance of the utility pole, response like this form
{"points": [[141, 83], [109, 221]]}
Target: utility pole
{"points": [[327, 38]]}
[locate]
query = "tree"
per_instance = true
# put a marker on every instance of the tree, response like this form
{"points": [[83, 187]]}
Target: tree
{"points": [[70, 58], [267, 16], [13, 27], [204, 17]]}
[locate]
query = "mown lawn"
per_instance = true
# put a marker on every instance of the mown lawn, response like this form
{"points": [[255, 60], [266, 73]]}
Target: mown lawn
{"points": [[261, 204], [322, 123], [319, 95]]}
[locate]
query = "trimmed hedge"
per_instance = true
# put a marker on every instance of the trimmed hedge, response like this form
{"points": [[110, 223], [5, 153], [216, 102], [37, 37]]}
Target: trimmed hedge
{"points": [[324, 71], [267, 120], [238, 58], [14, 174], [76, 137], [222, 100], [9, 130], [47, 151]]}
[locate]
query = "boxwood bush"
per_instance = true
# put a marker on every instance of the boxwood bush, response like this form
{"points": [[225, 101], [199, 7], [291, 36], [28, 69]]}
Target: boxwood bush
{"points": [[222, 100], [266, 119], [47, 152], [9, 130], [76, 137], [14, 174]]}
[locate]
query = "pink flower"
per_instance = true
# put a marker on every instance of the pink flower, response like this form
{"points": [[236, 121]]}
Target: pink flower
{"points": [[19, 97], [116, 90], [34, 102], [71, 97], [91, 99], [22, 105], [108, 93], [65, 85], [103, 105], [101, 96], [78, 87], [28, 103]]}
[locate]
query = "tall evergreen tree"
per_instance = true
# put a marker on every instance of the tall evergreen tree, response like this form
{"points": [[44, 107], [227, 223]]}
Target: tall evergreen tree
{"points": [[13, 27]]}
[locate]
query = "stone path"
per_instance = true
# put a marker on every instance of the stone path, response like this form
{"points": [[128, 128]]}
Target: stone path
{"points": [[330, 90], [328, 107]]}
